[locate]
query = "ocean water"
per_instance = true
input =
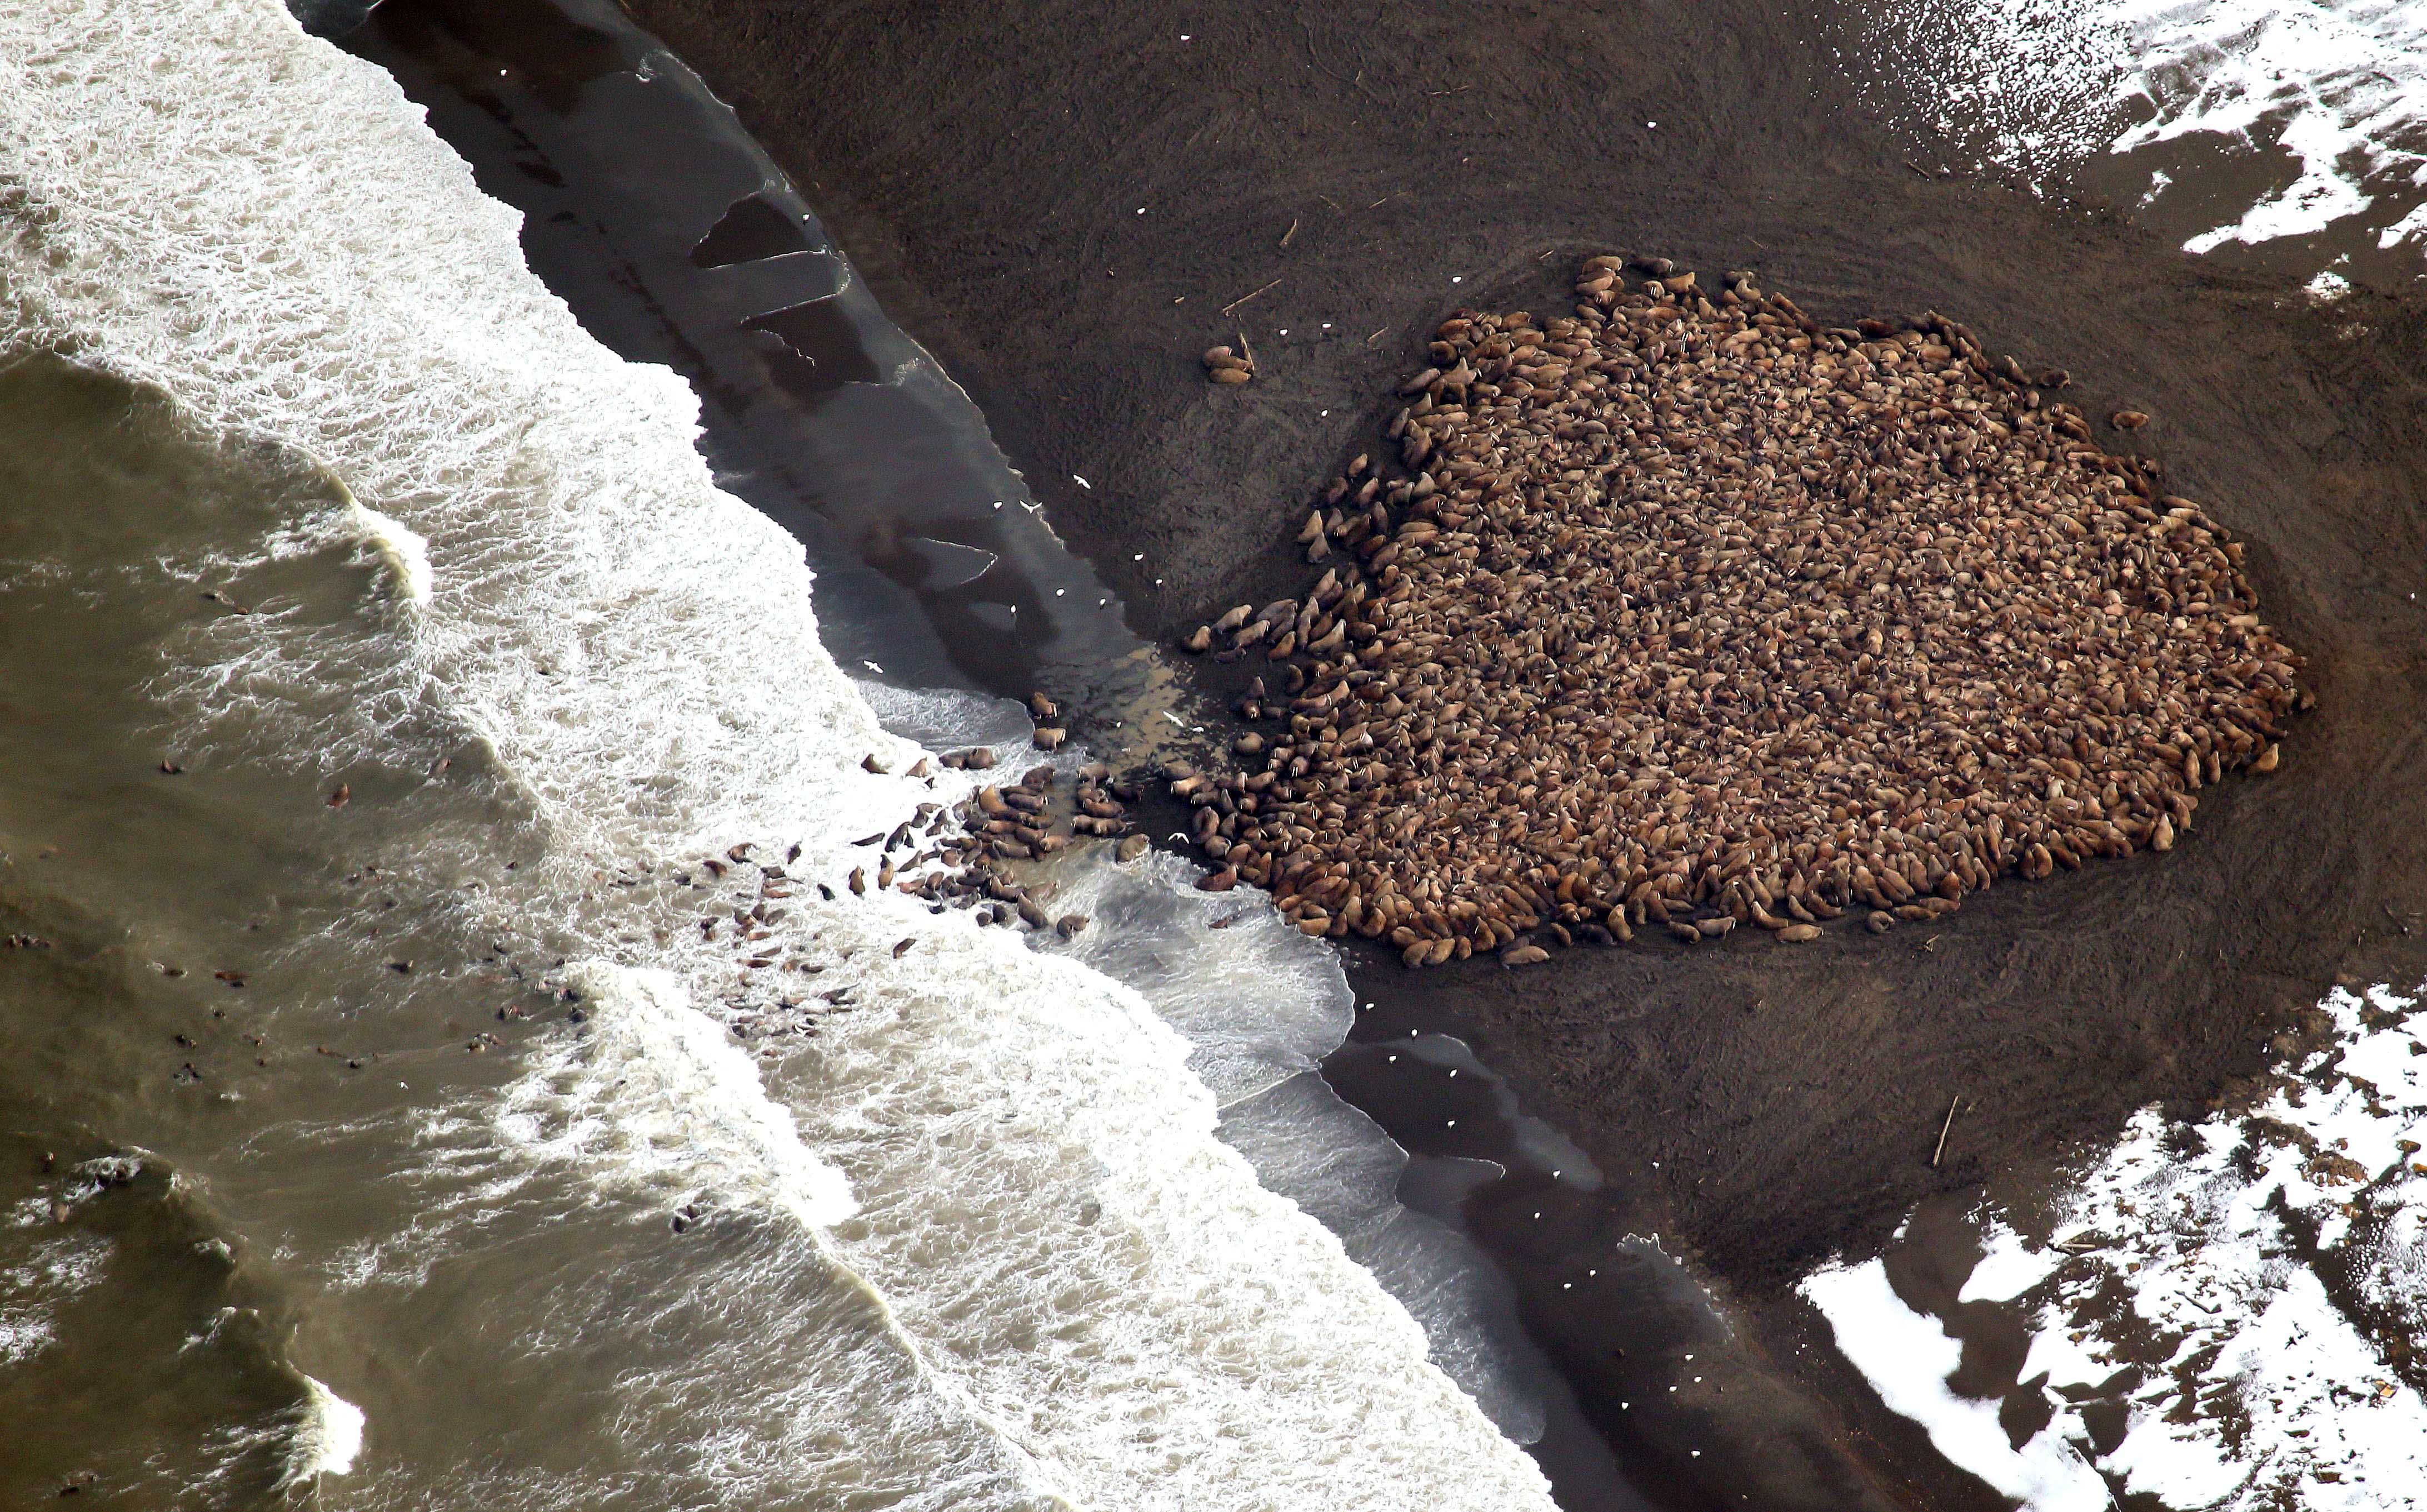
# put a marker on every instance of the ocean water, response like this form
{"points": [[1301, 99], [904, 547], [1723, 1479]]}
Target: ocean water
{"points": [[395, 696], [674, 239]]}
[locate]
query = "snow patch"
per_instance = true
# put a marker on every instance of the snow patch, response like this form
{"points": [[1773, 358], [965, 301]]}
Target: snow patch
{"points": [[2225, 1283]]}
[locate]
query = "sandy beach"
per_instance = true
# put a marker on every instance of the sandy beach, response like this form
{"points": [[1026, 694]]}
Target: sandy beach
{"points": [[1070, 204]]}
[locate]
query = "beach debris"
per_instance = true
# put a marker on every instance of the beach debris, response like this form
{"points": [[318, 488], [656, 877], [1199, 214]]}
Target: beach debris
{"points": [[1943, 1127], [1249, 295], [1684, 610]]}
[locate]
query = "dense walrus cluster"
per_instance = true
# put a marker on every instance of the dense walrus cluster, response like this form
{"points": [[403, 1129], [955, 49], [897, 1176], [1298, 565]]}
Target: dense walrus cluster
{"points": [[977, 838], [1683, 609]]}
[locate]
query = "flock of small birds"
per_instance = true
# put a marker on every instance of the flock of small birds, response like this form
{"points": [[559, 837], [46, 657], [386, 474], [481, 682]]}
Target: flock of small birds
{"points": [[1685, 610]]}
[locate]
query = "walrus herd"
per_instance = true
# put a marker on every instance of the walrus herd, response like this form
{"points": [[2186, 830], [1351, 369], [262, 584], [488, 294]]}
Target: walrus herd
{"points": [[1004, 822], [1684, 610]]}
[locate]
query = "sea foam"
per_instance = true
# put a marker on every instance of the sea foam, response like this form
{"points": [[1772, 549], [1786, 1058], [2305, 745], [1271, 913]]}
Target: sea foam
{"points": [[203, 199], [329, 1438]]}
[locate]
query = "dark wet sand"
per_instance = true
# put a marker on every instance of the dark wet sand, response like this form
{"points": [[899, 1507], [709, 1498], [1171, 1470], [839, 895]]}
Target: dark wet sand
{"points": [[986, 166]]}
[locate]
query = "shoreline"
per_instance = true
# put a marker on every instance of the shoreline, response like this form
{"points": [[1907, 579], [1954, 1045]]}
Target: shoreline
{"points": [[1791, 1104], [1208, 485], [617, 176]]}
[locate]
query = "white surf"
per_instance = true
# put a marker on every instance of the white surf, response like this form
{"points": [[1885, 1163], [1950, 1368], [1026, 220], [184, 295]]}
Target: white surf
{"points": [[1088, 1297]]}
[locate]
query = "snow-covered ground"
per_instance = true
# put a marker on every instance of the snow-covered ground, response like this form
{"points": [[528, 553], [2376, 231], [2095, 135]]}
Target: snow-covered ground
{"points": [[2214, 1309]]}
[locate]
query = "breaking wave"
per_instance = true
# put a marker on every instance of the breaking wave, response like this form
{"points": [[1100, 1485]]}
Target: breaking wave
{"points": [[998, 1163]]}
